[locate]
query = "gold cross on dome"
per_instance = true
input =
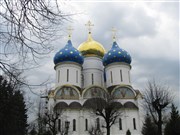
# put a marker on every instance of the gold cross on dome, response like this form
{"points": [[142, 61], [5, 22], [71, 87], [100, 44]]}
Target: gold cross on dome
{"points": [[89, 25], [114, 33], [69, 29]]}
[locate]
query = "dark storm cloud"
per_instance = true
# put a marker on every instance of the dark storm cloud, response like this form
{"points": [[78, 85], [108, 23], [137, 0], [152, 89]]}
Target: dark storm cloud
{"points": [[163, 69], [133, 23], [150, 38], [128, 20], [170, 8]]}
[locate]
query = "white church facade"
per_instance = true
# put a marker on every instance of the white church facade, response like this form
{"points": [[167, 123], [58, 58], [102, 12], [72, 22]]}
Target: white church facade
{"points": [[88, 72]]}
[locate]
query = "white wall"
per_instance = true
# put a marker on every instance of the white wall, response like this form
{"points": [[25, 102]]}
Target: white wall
{"points": [[81, 115], [74, 74], [127, 123], [116, 69], [93, 67]]}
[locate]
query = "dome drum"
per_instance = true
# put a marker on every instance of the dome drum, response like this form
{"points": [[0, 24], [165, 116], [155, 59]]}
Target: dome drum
{"points": [[69, 63], [68, 73], [118, 64]]}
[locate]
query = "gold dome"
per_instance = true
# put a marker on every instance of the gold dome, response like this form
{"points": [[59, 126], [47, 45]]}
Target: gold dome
{"points": [[91, 48]]}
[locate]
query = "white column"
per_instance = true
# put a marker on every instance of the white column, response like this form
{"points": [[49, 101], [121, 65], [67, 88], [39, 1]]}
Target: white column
{"points": [[117, 73], [68, 73], [93, 72]]}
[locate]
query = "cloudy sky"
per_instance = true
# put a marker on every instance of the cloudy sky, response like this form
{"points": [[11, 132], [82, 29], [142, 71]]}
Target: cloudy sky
{"points": [[148, 30]]}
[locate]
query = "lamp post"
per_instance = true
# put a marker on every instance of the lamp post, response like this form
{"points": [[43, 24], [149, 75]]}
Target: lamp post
{"points": [[66, 127]]}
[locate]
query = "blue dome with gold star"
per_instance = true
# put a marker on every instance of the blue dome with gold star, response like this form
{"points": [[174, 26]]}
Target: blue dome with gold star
{"points": [[68, 53], [116, 54]]}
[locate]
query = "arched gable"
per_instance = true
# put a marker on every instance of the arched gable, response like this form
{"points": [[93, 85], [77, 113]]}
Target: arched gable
{"points": [[123, 92], [94, 103], [116, 105], [75, 105], [130, 105], [67, 92], [94, 91], [60, 105]]}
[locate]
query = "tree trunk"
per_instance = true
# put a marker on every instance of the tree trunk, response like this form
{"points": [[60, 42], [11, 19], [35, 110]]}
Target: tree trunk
{"points": [[54, 130], [160, 123], [108, 130], [159, 129]]}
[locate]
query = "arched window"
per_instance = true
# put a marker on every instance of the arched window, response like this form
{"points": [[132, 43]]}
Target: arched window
{"points": [[92, 77], [82, 79], [120, 124], [134, 123], [98, 124], [76, 76], [101, 80], [121, 75], [86, 124], [74, 125], [67, 75], [58, 76], [67, 92], [94, 91], [67, 123], [129, 77], [59, 125], [111, 77], [123, 92]]}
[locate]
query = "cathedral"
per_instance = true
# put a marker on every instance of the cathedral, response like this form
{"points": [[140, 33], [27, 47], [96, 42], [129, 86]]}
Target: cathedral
{"points": [[88, 72]]}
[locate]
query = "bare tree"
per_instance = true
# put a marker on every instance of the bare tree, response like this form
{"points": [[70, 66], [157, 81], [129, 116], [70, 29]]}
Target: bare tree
{"points": [[157, 97], [95, 131], [41, 117], [26, 31], [107, 108], [50, 120]]}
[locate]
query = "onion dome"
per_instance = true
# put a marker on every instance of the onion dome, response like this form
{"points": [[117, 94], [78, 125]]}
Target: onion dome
{"points": [[116, 54], [91, 48], [68, 53]]}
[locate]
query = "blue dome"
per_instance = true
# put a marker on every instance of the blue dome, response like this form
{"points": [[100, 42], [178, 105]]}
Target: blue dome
{"points": [[116, 54], [68, 53]]}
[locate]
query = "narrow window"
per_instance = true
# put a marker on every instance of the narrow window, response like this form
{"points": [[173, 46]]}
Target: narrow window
{"points": [[74, 125], [76, 76], [98, 123], [59, 125], [67, 75], [101, 80], [67, 123], [121, 75], [111, 77], [104, 76], [92, 77], [82, 79], [120, 124], [134, 123], [58, 76], [129, 76], [86, 124]]}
